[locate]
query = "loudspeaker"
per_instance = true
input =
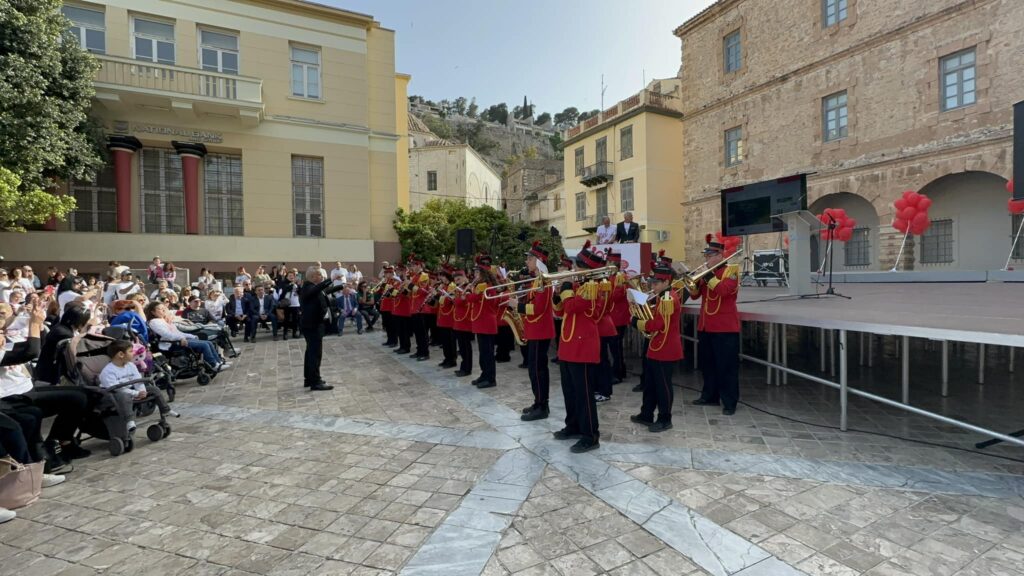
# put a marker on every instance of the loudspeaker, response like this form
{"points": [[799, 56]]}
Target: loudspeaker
{"points": [[464, 241]]}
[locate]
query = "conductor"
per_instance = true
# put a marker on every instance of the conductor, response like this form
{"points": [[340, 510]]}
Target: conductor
{"points": [[315, 307]]}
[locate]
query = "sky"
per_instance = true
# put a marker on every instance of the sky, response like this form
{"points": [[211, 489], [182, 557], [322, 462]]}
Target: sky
{"points": [[552, 51]]}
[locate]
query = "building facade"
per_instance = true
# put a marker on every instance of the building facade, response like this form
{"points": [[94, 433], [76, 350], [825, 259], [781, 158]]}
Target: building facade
{"points": [[545, 208], [448, 170], [240, 132], [870, 98], [524, 180], [627, 159]]}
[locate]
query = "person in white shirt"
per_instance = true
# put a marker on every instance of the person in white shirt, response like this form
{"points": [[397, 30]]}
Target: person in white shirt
{"points": [[121, 370], [242, 276], [355, 276], [605, 232], [18, 280], [215, 302], [5, 285], [339, 275], [121, 290], [160, 287], [161, 322]]}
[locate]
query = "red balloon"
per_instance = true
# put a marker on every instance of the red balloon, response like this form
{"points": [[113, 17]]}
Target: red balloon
{"points": [[851, 223], [900, 224], [1009, 186], [908, 193], [918, 230], [1015, 206], [844, 234], [920, 219], [924, 203], [908, 213], [900, 204]]}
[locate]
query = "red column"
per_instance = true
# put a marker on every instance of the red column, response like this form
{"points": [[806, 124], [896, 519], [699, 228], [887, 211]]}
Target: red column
{"points": [[190, 154], [122, 148]]}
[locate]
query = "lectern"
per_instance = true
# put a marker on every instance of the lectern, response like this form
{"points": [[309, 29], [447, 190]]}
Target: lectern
{"points": [[800, 224]]}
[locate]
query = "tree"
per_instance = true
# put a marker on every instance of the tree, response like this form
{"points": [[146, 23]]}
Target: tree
{"points": [[543, 119], [496, 113], [556, 144], [566, 118], [19, 207], [438, 126], [45, 95], [473, 108], [590, 114], [473, 134], [530, 153], [459, 106]]}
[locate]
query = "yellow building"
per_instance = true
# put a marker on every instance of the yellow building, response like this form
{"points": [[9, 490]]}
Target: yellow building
{"points": [[626, 159], [241, 132]]}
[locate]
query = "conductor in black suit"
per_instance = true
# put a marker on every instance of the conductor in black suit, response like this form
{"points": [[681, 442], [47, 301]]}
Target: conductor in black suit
{"points": [[315, 307], [627, 230]]}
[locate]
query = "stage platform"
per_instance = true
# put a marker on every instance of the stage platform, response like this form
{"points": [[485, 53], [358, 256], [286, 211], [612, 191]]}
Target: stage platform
{"points": [[920, 276]]}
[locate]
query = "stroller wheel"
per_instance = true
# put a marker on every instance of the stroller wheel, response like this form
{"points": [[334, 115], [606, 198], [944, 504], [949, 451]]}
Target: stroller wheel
{"points": [[155, 433], [203, 379], [129, 446], [116, 446], [167, 430]]}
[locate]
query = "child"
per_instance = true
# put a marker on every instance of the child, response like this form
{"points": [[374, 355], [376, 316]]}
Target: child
{"points": [[122, 369]]}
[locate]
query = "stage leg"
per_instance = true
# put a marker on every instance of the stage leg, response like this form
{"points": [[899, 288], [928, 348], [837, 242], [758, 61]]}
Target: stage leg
{"points": [[860, 350], [832, 351], [1011, 351], [945, 368], [822, 349], [905, 351], [771, 351], [842, 380], [785, 353], [871, 350], [981, 363]]}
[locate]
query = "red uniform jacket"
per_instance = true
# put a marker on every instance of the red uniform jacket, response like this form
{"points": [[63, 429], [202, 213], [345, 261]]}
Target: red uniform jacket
{"points": [[403, 304], [666, 344], [484, 312], [420, 288], [538, 322], [619, 308], [605, 326], [445, 308], [461, 314], [718, 301], [579, 340]]}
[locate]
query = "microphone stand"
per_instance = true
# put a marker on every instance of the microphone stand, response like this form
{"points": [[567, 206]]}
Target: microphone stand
{"points": [[832, 225]]}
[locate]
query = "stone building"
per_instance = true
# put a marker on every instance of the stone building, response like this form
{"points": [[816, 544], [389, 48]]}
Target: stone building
{"points": [[869, 97], [443, 169], [545, 207], [524, 179]]}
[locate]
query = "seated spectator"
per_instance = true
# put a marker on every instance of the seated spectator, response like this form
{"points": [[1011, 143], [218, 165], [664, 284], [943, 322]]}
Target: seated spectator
{"points": [[156, 270], [260, 278], [265, 311], [18, 280], [215, 302], [161, 286], [170, 275], [34, 281], [339, 275], [195, 312], [367, 305], [122, 369], [116, 269], [242, 276], [130, 314], [239, 310], [53, 276], [161, 323], [75, 320], [5, 284], [348, 307]]}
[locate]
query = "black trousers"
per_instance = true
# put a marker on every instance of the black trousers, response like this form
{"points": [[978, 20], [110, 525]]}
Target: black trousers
{"points": [[617, 361], [644, 343], [604, 369], [446, 338], [388, 320], [314, 354], [465, 343], [291, 320], [487, 367], [67, 403], [578, 393], [537, 364], [429, 329], [505, 342], [370, 314], [720, 365], [248, 326], [403, 327], [659, 392], [419, 330], [15, 428]]}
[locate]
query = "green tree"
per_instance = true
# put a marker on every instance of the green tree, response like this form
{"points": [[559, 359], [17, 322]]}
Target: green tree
{"points": [[19, 206], [474, 135], [556, 144], [530, 153], [566, 118], [543, 119], [45, 96], [589, 114], [473, 108], [438, 126], [496, 113]]}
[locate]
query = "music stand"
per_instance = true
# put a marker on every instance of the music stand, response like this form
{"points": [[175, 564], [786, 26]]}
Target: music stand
{"points": [[800, 224]]}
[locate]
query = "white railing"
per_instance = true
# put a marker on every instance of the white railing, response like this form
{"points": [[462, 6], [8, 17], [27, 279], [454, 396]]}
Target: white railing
{"points": [[117, 71]]}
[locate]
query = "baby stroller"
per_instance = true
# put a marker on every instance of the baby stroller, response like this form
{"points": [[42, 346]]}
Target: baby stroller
{"points": [[144, 360], [84, 357], [180, 363]]}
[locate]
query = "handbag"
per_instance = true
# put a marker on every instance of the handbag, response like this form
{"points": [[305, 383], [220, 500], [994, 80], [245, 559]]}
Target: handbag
{"points": [[20, 484]]}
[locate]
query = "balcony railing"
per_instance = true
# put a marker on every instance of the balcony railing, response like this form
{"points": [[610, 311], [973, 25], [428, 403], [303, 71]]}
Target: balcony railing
{"points": [[647, 98], [169, 80], [597, 173]]}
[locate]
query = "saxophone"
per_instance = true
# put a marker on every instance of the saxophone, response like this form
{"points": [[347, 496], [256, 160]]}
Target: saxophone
{"points": [[515, 321]]}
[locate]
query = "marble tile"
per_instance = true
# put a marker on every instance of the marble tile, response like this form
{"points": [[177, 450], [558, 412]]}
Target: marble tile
{"points": [[770, 567], [707, 544], [517, 468], [636, 500], [453, 551]]}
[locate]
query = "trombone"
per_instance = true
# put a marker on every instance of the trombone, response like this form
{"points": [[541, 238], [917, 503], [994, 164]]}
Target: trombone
{"points": [[690, 279], [550, 280]]}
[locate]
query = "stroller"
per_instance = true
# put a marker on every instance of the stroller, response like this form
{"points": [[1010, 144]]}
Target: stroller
{"points": [[180, 363], [84, 357]]}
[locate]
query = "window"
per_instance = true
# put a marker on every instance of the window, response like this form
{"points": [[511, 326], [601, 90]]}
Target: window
{"points": [[858, 249], [626, 194], [581, 206], [96, 200], [733, 58], [88, 27], [163, 202], [432, 180], [937, 243], [308, 196], [957, 73], [834, 114], [734, 146], [223, 195], [626, 143], [602, 203], [218, 52], [602, 150], [579, 161], [306, 72], [558, 202], [154, 41], [1018, 249], [833, 12]]}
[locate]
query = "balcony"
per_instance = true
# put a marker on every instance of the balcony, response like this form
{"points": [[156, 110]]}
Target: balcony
{"points": [[596, 174], [188, 92], [645, 99]]}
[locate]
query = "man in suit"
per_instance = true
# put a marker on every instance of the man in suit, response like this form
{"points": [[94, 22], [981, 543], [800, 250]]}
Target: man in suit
{"points": [[315, 309], [627, 230], [348, 307], [240, 309], [266, 306]]}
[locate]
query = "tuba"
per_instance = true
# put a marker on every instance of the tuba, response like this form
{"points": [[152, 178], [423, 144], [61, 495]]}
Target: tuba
{"points": [[515, 322]]}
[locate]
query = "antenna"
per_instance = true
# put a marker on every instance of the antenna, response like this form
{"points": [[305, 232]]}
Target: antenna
{"points": [[643, 73], [603, 88]]}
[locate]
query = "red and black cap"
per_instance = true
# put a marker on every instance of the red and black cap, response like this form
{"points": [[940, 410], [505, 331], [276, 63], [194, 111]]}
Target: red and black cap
{"points": [[566, 262], [589, 259], [663, 272], [713, 245], [483, 261], [538, 252], [412, 260]]}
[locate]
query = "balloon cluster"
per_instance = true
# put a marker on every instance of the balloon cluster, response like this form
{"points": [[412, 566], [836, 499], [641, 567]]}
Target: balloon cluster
{"points": [[1014, 206], [731, 243], [844, 225], [912, 213]]}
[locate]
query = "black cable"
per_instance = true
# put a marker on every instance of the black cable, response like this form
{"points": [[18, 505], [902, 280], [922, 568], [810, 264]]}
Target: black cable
{"points": [[882, 434]]}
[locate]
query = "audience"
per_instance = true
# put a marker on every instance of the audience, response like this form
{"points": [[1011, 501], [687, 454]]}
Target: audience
{"points": [[215, 302], [242, 276], [156, 270], [161, 323], [170, 274], [288, 291], [265, 311], [239, 310], [348, 307]]}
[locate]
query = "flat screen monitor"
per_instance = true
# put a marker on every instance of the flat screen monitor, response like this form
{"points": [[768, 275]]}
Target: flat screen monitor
{"points": [[751, 209]]}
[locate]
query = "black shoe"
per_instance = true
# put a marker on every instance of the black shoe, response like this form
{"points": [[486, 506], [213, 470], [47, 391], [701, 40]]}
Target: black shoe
{"points": [[488, 384], [703, 402], [447, 364], [401, 350], [320, 387], [357, 332], [535, 413], [660, 427], [728, 411], [616, 380], [564, 434], [554, 360], [502, 360], [285, 337], [477, 381], [306, 384], [462, 374], [639, 419], [54, 463], [584, 445], [234, 334], [528, 409], [638, 388], [245, 339], [72, 451], [275, 337], [422, 358], [388, 343], [523, 365], [414, 355]]}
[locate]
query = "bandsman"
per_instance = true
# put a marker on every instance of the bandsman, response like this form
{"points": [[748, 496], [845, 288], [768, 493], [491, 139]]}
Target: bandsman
{"points": [[664, 350], [718, 331], [539, 327]]}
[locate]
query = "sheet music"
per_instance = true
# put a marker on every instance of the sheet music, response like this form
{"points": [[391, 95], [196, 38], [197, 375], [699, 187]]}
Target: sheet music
{"points": [[636, 296]]}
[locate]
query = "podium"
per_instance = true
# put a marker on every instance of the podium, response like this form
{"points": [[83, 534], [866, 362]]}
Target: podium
{"points": [[800, 224]]}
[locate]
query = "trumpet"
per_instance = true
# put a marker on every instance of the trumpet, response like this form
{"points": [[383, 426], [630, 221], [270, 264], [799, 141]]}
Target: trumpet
{"points": [[693, 277], [498, 290], [578, 275]]}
